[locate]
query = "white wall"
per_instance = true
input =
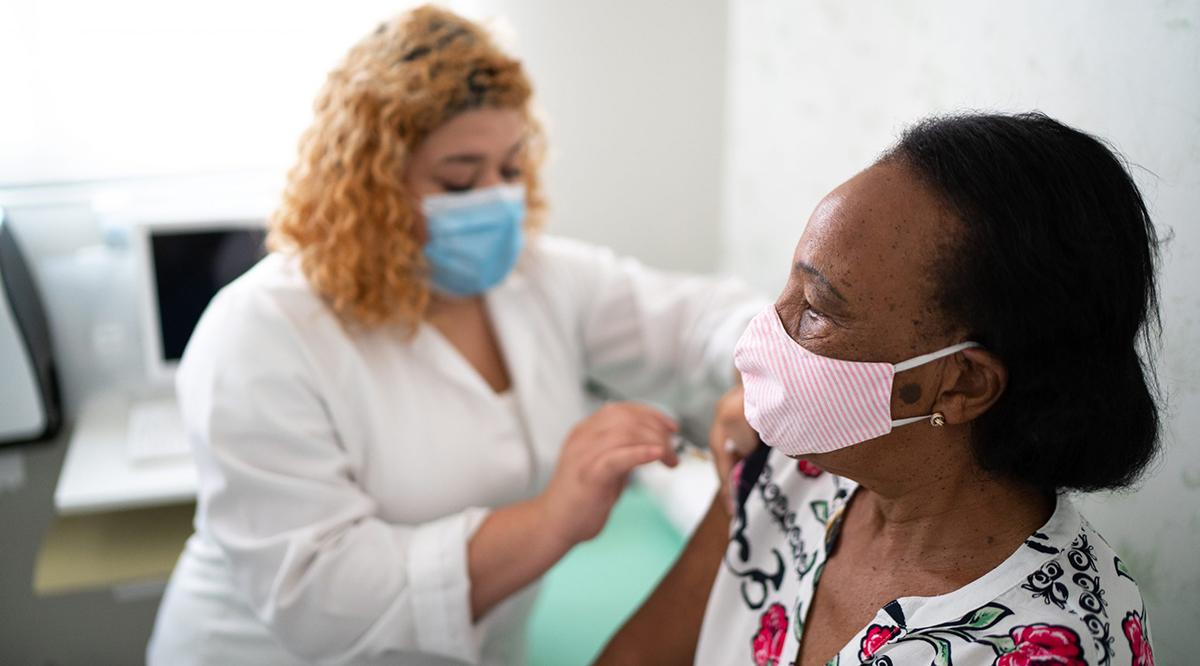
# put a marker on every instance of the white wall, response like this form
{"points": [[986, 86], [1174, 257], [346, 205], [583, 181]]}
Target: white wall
{"points": [[176, 104], [633, 93], [818, 89]]}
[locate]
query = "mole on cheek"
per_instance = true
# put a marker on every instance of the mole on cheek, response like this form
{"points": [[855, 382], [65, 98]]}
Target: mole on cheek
{"points": [[910, 393]]}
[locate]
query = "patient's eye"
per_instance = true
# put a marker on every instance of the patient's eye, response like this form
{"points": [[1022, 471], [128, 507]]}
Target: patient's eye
{"points": [[811, 321], [809, 317]]}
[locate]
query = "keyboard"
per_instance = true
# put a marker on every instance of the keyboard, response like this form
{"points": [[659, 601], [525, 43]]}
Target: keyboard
{"points": [[155, 431]]}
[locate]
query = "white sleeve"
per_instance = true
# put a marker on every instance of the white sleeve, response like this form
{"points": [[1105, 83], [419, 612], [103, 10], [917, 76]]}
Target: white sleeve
{"points": [[333, 581], [656, 335]]}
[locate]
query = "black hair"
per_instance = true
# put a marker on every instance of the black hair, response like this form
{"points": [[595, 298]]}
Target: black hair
{"points": [[1054, 272]]}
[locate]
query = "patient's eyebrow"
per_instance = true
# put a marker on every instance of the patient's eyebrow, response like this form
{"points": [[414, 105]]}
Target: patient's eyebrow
{"points": [[821, 279]]}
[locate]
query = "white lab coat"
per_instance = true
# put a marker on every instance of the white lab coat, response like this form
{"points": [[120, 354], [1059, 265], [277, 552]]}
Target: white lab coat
{"points": [[343, 471]]}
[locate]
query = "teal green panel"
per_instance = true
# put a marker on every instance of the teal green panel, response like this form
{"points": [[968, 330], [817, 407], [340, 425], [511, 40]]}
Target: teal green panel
{"points": [[588, 595]]}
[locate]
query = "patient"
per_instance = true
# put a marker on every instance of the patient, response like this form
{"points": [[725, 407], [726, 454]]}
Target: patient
{"points": [[1005, 265]]}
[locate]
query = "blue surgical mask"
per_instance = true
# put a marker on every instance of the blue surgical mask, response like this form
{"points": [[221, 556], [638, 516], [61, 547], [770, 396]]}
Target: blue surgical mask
{"points": [[474, 237]]}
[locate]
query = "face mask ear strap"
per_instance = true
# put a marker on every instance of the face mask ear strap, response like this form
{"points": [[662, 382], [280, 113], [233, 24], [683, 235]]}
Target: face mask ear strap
{"points": [[933, 356]]}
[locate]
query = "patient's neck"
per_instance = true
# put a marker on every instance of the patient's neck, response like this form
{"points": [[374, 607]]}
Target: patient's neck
{"points": [[945, 512]]}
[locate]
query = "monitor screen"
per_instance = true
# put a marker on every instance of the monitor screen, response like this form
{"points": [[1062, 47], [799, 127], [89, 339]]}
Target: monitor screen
{"points": [[190, 267]]}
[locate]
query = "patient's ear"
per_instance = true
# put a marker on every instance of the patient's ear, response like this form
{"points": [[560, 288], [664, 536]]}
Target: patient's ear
{"points": [[973, 381]]}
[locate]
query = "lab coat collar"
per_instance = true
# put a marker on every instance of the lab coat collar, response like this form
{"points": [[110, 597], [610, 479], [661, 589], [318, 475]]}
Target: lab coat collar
{"points": [[508, 307]]}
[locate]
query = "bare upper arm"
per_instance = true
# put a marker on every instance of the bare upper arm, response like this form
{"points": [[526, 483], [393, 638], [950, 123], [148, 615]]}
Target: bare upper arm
{"points": [[666, 628]]}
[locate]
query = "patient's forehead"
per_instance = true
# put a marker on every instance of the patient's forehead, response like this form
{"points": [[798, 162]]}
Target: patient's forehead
{"points": [[879, 233]]}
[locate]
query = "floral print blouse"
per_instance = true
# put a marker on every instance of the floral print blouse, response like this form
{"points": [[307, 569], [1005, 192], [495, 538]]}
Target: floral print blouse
{"points": [[1064, 597]]}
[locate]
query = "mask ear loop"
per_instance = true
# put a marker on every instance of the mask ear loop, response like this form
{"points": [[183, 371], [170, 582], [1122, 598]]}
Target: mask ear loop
{"points": [[936, 419], [933, 356]]}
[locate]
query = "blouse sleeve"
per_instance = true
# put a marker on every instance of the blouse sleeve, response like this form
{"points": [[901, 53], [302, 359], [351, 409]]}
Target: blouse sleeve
{"points": [[655, 335], [278, 496]]}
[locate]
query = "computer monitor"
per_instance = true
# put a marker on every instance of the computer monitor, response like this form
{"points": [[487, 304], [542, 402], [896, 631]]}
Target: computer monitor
{"points": [[183, 268]]}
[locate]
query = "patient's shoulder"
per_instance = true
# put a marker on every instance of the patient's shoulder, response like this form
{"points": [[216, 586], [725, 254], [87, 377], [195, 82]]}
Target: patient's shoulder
{"points": [[1082, 593]]}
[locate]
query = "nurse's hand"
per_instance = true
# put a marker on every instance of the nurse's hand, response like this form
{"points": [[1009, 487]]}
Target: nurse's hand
{"points": [[731, 439], [516, 544], [595, 464]]}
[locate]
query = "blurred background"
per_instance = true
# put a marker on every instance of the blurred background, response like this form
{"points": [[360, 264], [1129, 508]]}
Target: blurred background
{"points": [[693, 134]]}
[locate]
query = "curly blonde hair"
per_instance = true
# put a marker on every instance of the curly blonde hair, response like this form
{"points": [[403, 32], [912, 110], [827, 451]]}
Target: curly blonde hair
{"points": [[346, 210]]}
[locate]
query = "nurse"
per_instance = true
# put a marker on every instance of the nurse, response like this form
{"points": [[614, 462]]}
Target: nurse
{"points": [[390, 413]]}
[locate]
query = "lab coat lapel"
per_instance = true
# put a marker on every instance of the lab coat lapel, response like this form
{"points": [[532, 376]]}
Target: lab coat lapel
{"points": [[450, 363], [509, 307]]}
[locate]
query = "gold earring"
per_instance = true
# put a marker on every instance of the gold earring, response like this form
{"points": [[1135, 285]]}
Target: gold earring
{"points": [[937, 420]]}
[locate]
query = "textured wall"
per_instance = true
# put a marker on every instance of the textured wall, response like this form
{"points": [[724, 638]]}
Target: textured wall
{"points": [[818, 89]]}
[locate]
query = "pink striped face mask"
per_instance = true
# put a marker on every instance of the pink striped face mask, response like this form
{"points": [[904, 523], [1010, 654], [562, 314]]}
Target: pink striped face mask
{"points": [[802, 403]]}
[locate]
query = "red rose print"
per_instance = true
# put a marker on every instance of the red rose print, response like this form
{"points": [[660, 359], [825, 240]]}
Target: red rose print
{"points": [[1139, 645], [808, 469], [768, 644], [877, 636], [1043, 644]]}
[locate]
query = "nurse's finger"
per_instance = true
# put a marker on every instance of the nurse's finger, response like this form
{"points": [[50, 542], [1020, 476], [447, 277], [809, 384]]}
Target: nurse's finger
{"points": [[611, 426], [642, 411], [618, 429], [671, 459], [647, 435], [640, 434], [616, 416], [616, 463]]}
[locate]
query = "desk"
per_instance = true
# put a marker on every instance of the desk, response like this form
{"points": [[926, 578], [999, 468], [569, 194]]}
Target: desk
{"points": [[132, 551], [121, 523], [97, 474]]}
